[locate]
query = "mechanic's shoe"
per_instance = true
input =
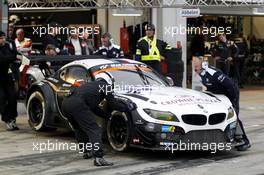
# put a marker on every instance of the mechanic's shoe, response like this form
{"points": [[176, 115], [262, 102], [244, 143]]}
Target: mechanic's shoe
{"points": [[87, 155], [11, 126], [98, 161], [244, 147]]}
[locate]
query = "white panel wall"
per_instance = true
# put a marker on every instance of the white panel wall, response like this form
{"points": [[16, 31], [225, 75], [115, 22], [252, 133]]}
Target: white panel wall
{"points": [[171, 28]]}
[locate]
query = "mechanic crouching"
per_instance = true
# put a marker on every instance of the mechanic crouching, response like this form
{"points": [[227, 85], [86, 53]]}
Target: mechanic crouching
{"points": [[218, 83], [80, 107]]}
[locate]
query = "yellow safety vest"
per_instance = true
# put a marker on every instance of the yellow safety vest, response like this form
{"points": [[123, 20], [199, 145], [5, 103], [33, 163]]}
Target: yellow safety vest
{"points": [[154, 53]]}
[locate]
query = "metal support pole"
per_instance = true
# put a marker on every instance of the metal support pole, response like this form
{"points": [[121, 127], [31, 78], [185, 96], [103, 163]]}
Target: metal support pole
{"points": [[4, 15]]}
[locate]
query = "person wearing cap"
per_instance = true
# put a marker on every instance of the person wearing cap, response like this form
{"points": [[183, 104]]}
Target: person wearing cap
{"points": [[217, 82], [81, 113], [8, 96], [150, 49], [224, 53], [108, 48]]}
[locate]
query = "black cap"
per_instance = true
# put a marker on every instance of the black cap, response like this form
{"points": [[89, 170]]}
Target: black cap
{"points": [[149, 27], [2, 33]]}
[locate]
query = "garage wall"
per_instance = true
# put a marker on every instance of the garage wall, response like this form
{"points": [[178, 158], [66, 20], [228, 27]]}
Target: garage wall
{"points": [[257, 27], [115, 23], [247, 26]]}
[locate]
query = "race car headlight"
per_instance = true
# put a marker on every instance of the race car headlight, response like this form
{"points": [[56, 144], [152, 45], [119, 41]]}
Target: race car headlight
{"points": [[161, 115], [231, 113]]}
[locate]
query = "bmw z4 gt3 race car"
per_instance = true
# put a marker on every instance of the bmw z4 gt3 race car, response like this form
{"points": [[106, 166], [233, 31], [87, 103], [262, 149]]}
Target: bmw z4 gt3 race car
{"points": [[159, 114]]}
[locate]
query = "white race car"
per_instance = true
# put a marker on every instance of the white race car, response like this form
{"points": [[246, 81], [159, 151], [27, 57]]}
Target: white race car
{"points": [[159, 115]]}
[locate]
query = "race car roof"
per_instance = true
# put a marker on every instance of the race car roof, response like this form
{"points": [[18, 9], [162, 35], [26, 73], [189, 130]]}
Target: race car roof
{"points": [[88, 63]]}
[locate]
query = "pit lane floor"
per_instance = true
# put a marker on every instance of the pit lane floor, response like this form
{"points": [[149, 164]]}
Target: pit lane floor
{"points": [[18, 155]]}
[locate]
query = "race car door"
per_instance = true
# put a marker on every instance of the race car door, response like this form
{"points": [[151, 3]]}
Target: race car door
{"points": [[70, 76]]}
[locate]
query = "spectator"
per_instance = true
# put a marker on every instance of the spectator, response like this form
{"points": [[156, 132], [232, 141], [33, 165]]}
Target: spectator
{"points": [[225, 52], [76, 45], [23, 45], [16, 63], [108, 48], [89, 41], [50, 50], [52, 38]]}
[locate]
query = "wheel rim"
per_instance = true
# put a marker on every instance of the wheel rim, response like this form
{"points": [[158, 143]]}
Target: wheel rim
{"points": [[36, 111], [118, 131]]}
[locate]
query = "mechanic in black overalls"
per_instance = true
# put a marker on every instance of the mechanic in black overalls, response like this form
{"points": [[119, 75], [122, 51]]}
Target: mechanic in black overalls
{"points": [[218, 83], [8, 95], [79, 108], [224, 52]]}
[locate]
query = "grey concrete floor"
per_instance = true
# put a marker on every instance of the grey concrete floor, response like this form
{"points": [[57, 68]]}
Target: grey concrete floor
{"points": [[17, 154]]}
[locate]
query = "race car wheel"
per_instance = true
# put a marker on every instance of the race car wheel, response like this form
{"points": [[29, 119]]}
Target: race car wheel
{"points": [[119, 131], [36, 110], [30, 80]]}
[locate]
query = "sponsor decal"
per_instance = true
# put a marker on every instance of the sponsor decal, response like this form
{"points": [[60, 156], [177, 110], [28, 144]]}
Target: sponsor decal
{"points": [[187, 100], [166, 128]]}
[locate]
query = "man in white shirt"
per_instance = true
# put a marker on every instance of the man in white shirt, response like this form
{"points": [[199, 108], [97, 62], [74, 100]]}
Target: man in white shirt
{"points": [[76, 45], [23, 45]]}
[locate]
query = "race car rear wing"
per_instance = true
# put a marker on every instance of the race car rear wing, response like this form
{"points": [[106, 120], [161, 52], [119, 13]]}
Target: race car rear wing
{"points": [[63, 59], [56, 61]]}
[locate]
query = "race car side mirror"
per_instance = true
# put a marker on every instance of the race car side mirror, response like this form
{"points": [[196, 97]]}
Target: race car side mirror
{"points": [[170, 81]]}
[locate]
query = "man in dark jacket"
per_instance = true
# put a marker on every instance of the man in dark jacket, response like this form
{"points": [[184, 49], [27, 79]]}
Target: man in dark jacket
{"points": [[52, 38], [218, 83], [151, 50], [108, 48], [76, 45], [225, 52], [8, 98], [80, 108]]}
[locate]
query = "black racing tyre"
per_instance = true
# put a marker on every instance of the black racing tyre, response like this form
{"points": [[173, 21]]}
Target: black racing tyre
{"points": [[119, 131], [37, 112]]}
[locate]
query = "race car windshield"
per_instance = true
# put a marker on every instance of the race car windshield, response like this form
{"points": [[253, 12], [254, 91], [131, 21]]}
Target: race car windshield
{"points": [[135, 76]]}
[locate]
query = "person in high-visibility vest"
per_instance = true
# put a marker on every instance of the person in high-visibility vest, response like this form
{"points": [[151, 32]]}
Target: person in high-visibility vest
{"points": [[150, 49]]}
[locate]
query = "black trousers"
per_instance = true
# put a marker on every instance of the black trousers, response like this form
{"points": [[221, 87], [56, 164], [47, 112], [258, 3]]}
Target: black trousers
{"points": [[8, 100], [156, 65], [240, 129], [84, 123]]}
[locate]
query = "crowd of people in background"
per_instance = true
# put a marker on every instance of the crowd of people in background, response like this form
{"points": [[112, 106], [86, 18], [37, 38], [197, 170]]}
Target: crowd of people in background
{"points": [[229, 55], [75, 44]]}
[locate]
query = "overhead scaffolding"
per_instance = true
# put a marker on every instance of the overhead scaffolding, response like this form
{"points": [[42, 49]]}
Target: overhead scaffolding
{"points": [[93, 4]]}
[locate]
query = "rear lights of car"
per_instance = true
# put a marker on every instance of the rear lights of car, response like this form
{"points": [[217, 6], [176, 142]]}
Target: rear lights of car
{"points": [[162, 115]]}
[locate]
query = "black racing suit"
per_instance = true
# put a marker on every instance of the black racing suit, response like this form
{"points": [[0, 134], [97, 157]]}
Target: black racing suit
{"points": [[79, 108], [8, 98], [219, 83]]}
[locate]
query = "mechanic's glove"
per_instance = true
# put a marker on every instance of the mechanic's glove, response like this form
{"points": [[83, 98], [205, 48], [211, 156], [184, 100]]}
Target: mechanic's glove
{"points": [[121, 105]]}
